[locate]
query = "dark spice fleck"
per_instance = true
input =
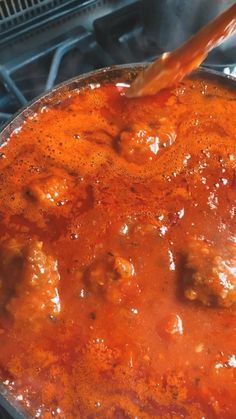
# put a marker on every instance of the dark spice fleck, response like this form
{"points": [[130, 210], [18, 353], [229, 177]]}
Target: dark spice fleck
{"points": [[197, 381], [93, 315]]}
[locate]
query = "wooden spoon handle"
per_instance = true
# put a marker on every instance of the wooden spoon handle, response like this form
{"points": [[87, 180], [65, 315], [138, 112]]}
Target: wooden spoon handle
{"points": [[171, 67]]}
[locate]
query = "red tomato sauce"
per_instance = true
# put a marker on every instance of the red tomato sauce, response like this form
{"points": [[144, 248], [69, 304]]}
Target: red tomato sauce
{"points": [[118, 256]]}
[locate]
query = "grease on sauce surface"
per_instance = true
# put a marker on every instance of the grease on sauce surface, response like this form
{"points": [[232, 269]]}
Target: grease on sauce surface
{"points": [[118, 256]]}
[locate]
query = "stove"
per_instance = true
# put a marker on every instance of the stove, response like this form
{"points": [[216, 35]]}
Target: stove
{"points": [[44, 42]]}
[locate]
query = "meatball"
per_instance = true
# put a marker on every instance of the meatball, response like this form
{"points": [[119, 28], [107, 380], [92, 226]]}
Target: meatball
{"points": [[110, 277], [28, 280], [50, 189], [141, 143], [210, 273]]}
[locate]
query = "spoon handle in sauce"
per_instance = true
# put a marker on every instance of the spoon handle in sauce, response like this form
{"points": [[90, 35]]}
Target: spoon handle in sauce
{"points": [[171, 67]]}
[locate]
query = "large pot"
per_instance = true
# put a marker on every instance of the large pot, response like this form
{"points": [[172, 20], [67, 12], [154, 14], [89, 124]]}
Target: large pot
{"points": [[115, 74]]}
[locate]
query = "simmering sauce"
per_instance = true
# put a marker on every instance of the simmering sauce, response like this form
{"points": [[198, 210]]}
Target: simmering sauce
{"points": [[118, 255]]}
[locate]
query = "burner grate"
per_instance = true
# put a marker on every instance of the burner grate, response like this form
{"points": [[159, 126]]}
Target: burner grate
{"points": [[48, 50], [53, 64], [14, 12]]}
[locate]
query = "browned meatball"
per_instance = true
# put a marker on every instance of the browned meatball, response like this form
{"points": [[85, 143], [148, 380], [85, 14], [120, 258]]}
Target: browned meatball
{"points": [[51, 188], [141, 143], [210, 273], [110, 276], [28, 278]]}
